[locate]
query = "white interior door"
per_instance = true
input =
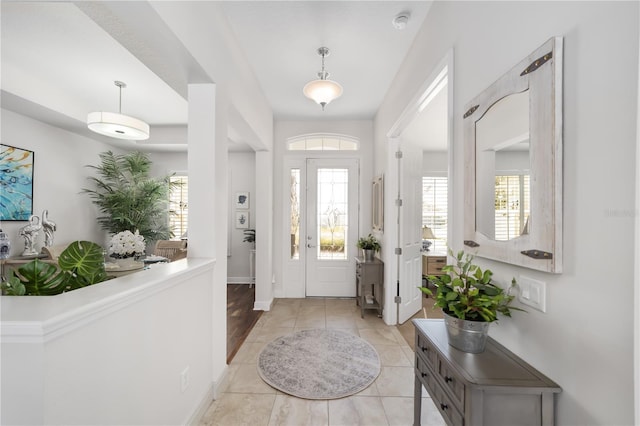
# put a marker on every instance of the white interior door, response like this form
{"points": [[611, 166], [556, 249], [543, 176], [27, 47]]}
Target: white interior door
{"points": [[332, 227], [410, 221]]}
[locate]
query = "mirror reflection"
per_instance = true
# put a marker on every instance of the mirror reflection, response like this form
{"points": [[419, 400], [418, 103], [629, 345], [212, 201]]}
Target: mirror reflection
{"points": [[503, 168]]}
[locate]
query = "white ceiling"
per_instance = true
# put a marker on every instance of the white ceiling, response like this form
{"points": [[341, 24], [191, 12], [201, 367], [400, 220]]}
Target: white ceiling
{"points": [[58, 63]]}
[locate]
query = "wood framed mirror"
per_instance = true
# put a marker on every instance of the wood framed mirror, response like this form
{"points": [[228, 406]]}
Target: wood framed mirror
{"points": [[513, 164]]}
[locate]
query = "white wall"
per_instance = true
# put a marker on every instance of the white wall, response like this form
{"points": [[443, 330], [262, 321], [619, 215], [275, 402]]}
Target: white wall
{"points": [[584, 341], [165, 163], [59, 175], [362, 129], [435, 163], [242, 167], [112, 353]]}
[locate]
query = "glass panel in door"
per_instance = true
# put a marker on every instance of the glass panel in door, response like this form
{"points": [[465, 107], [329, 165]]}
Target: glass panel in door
{"points": [[332, 227]]}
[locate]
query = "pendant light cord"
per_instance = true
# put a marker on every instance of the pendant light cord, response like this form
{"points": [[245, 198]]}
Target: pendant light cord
{"points": [[120, 85]]}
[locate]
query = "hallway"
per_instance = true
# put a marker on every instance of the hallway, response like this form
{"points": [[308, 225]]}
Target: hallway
{"points": [[240, 316], [247, 400]]}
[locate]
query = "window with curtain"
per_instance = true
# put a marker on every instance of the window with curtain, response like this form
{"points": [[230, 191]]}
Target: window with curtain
{"points": [[434, 210], [178, 206]]}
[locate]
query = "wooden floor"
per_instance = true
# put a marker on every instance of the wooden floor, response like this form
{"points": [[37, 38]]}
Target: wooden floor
{"points": [[240, 316]]}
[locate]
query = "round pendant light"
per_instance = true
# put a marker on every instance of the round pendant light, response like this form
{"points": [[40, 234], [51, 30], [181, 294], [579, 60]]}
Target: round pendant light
{"points": [[118, 125], [322, 91]]}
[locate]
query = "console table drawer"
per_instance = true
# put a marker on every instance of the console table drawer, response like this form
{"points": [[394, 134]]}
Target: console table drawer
{"points": [[451, 381], [426, 351], [448, 409], [435, 264], [440, 398], [426, 375]]}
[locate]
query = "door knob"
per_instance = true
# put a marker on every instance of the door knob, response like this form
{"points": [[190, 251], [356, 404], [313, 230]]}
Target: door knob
{"points": [[309, 246]]}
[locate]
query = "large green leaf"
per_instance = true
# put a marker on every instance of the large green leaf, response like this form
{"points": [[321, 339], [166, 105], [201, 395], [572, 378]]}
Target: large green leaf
{"points": [[42, 279], [14, 287], [85, 260]]}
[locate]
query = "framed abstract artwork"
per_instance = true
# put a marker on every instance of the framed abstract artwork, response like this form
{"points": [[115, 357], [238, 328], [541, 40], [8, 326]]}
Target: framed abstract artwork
{"points": [[16, 183], [242, 220], [242, 200]]}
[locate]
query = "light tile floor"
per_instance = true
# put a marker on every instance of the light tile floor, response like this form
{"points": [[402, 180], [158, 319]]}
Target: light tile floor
{"points": [[247, 400]]}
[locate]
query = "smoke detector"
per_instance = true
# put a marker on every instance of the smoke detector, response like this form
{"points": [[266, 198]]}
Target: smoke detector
{"points": [[401, 20]]}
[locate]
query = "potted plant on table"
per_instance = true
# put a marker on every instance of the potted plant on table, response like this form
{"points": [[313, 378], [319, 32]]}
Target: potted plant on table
{"points": [[470, 301], [369, 245]]}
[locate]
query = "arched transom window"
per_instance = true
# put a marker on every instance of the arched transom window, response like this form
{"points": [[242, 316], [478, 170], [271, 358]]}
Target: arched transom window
{"points": [[323, 142]]}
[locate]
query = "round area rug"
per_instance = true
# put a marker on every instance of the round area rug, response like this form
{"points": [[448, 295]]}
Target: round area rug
{"points": [[319, 364]]}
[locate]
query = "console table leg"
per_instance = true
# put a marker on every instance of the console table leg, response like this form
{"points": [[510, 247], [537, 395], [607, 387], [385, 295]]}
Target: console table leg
{"points": [[417, 401]]}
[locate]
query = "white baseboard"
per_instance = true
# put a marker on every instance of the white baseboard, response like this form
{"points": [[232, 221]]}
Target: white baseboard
{"points": [[213, 393], [220, 384], [238, 280], [263, 306], [196, 417]]}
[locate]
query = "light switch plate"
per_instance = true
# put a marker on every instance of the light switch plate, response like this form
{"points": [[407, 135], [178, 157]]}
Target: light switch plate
{"points": [[533, 293]]}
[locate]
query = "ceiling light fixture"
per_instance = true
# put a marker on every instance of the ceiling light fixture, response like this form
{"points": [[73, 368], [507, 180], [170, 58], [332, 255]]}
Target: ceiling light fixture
{"points": [[322, 91], [117, 125]]}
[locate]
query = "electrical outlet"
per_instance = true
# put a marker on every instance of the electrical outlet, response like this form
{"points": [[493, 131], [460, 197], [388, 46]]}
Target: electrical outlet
{"points": [[184, 379], [533, 293]]}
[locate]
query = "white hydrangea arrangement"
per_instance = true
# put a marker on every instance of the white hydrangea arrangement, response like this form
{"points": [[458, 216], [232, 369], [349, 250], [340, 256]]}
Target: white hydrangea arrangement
{"points": [[126, 244]]}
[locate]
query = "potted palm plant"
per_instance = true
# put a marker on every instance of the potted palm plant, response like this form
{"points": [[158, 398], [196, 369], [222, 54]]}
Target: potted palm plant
{"points": [[470, 301], [129, 198], [369, 245]]}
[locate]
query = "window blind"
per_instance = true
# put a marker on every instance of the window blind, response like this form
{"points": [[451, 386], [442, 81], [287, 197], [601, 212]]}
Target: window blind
{"points": [[178, 205], [434, 209], [511, 206]]}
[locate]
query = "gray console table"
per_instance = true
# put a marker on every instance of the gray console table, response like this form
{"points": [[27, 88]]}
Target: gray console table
{"points": [[492, 388], [369, 285]]}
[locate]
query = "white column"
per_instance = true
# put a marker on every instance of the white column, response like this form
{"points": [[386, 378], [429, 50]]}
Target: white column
{"points": [[201, 159], [264, 230], [207, 157]]}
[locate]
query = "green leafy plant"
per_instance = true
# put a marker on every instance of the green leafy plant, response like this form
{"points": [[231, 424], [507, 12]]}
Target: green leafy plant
{"points": [[129, 198], [369, 243], [467, 292], [81, 264]]}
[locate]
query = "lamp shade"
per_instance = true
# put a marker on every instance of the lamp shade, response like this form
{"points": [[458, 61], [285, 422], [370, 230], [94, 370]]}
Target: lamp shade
{"points": [[117, 125], [427, 233], [322, 91]]}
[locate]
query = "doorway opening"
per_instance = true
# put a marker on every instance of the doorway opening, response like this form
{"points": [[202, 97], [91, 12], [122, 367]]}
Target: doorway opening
{"points": [[419, 147]]}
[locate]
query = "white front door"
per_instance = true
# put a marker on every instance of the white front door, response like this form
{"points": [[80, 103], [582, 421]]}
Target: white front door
{"points": [[410, 221], [331, 227]]}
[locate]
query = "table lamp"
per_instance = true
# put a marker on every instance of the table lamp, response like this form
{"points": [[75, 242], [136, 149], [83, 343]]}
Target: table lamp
{"points": [[427, 234]]}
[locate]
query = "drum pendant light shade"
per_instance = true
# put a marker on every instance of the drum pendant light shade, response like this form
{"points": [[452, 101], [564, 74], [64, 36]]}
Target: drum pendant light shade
{"points": [[118, 125], [322, 91]]}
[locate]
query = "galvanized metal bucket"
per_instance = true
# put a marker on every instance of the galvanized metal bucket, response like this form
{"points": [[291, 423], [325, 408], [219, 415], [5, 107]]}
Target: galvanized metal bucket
{"points": [[369, 255], [467, 336]]}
